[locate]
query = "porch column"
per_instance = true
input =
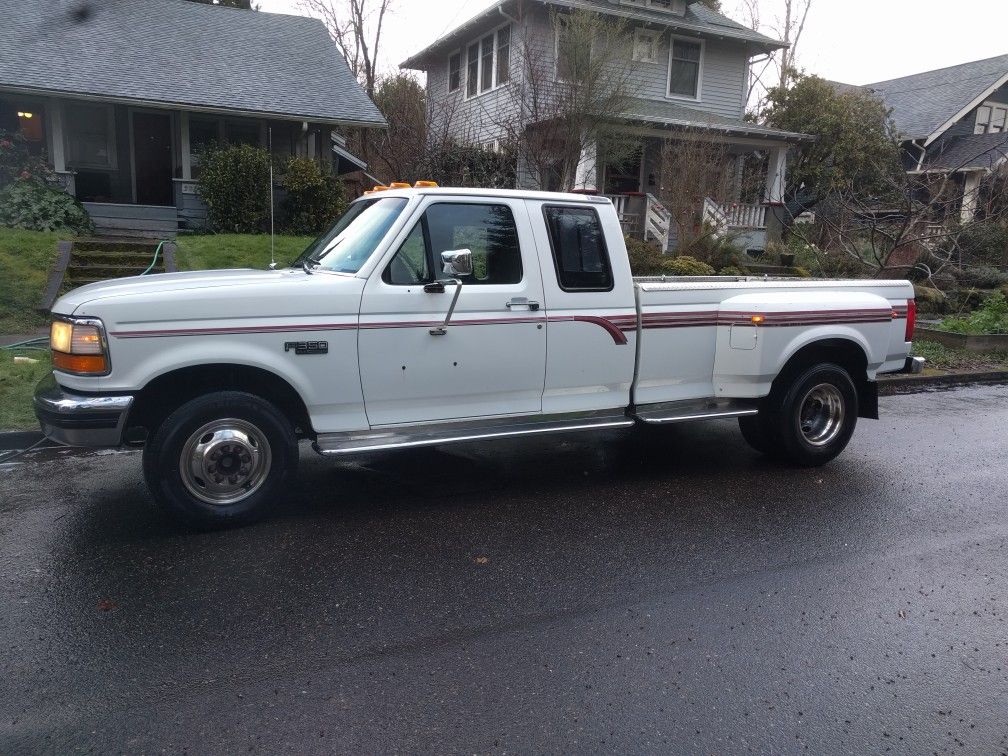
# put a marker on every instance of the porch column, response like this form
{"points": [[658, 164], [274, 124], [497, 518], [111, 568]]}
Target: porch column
{"points": [[54, 114], [971, 190], [586, 173], [776, 176], [184, 145]]}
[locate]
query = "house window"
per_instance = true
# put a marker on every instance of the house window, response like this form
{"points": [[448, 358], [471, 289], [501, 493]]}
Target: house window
{"points": [[504, 55], [573, 58], [685, 65], [991, 118], [645, 45], [242, 132], [472, 70], [454, 71], [488, 62], [91, 136]]}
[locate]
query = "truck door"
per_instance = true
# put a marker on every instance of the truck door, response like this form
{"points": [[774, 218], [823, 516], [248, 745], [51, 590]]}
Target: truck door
{"points": [[489, 359]]}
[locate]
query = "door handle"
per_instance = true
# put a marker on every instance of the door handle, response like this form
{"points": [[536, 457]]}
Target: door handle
{"points": [[522, 302]]}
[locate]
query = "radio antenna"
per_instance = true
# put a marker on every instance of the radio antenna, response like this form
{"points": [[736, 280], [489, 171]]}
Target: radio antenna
{"points": [[273, 263]]}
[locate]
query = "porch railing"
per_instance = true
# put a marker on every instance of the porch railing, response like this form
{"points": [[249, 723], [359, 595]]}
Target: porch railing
{"points": [[657, 222], [740, 216], [714, 215]]}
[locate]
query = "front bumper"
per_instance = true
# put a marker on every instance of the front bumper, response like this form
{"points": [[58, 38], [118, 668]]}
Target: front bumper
{"points": [[80, 419], [913, 365]]}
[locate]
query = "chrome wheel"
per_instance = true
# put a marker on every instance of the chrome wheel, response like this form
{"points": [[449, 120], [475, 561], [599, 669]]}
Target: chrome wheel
{"points": [[821, 416], [225, 461]]}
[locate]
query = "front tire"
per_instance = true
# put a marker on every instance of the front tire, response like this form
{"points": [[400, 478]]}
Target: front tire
{"points": [[221, 459], [814, 418]]}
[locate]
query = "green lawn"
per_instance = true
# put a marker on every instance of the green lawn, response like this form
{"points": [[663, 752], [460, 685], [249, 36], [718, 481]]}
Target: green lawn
{"points": [[216, 251], [17, 383], [26, 257], [941, 358]]}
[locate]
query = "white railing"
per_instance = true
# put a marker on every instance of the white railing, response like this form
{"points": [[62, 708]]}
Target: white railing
{"points": [[745, 215], [657, 222], [713, 215]]}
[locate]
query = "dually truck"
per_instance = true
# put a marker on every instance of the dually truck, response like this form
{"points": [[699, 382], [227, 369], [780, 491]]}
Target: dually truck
{"points": [[432, 315]]}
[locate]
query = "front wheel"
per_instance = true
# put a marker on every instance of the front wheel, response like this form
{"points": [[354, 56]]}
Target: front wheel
{"points": [[221, 459], [813, 420]]}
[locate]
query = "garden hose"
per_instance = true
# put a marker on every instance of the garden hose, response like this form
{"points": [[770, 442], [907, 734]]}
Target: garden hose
{"points": [[40, 343], [154, 261]]}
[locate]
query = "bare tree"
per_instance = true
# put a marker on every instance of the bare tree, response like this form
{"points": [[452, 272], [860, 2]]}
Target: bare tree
{"points": [[356, 27], [566, 101], [693, 169], [913, 222], [790, 29]]}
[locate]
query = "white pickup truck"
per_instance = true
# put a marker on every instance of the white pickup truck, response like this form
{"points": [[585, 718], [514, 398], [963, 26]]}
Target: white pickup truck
{"points": [[431, 315]]}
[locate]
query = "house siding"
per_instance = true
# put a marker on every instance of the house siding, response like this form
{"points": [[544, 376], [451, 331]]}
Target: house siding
{"points": [[478, 119]]}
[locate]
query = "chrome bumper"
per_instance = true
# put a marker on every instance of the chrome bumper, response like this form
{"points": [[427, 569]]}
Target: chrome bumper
{"points": [[80, 419], [913, 365]]}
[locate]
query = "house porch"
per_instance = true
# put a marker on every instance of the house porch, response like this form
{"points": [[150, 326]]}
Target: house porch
{"points": [[136, 169]]}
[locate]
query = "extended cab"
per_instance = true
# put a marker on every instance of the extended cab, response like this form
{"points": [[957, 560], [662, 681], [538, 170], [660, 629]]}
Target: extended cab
{"points": [[427, 316]]}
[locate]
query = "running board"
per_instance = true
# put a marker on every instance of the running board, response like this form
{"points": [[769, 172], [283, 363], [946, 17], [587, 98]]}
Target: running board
{"points": [[695, 409], [353, 442]]}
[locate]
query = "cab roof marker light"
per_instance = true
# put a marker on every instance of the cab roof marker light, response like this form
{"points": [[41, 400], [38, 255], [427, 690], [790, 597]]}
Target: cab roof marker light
{"points": [[426, 185], [399, 185]]}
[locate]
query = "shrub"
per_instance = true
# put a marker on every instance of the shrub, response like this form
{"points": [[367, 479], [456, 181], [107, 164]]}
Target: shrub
{"points": [[234, 182], [684, 265], [980, 277], [991, 318], [34, 206], [802, 272], [18, 164], [930, 300], [984, 242], [716, 251], [314, 197], [646, 258]]}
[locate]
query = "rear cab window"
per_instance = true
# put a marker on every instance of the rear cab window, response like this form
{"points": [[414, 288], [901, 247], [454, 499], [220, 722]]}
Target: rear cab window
{"points": [[577, 242]]}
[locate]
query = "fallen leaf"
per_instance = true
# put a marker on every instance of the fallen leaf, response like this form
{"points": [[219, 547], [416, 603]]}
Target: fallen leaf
{"points": [[482, 560], [106, 605]]}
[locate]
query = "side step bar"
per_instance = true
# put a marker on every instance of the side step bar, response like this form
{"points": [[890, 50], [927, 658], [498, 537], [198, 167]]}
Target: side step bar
{"points": [[695, 409], [330, 444], [407, 437]]}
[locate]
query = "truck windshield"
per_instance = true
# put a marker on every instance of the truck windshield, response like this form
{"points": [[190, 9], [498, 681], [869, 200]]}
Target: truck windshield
{"points": [[346, 246]]}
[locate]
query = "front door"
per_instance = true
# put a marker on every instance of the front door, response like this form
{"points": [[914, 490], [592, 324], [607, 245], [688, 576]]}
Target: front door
{"points": [[152, 158], [490, 358]]}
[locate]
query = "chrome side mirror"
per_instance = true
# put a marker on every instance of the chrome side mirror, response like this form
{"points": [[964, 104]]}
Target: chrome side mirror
{"points": [[457, 262]]}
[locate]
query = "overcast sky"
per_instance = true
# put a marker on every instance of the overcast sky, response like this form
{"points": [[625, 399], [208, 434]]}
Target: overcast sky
{"points": [[854, 41]]}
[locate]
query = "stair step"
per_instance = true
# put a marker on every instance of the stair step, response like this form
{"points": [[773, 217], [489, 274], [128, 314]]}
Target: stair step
{"points": [[123, 269], [117, 245]]}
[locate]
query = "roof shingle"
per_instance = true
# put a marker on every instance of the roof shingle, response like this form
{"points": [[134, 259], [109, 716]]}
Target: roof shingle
{"points": [[184, 54]]}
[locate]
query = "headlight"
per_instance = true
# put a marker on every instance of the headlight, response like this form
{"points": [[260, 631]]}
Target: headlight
{"points": [[79, 346]]}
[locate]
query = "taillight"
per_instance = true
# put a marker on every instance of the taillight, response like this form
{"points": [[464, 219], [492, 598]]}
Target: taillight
{"points": [[911, 319]]}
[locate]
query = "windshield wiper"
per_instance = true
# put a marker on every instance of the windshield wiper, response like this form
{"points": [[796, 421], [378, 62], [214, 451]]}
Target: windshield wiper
{"points": [[308, 265]]}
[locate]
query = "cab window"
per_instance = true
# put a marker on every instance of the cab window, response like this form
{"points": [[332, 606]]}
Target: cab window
{"points": [[487, 230]]}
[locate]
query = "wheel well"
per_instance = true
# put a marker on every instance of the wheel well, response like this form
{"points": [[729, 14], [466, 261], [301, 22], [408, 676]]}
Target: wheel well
{"points": [[843, 352], [164, 394]]}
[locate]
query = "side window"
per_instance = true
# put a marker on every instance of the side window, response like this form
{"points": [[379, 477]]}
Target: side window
{"points": [[489, 231], [409, 266], [579, 250]]}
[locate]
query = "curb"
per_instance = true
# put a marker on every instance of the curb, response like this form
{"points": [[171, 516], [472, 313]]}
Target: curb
{"points": [[913, 384], [10, 440]]}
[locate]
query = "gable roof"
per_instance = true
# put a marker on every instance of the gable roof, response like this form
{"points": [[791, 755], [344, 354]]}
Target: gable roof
{"points": [[924, 105], [699, 19], [676, 116], [183, 54]]}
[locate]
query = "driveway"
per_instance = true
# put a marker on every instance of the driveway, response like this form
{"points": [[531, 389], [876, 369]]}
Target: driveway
{"points": [[634, 592]]}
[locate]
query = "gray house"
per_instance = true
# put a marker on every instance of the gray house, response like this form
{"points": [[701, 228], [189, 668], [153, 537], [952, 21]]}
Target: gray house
{"points": [[953, 121], [691, 68], [120, 96]]}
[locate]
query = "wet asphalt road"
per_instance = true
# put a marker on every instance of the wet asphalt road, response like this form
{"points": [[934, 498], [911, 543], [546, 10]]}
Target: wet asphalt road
{"points": [[627, 593]]}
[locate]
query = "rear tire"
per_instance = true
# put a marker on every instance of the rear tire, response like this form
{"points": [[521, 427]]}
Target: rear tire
{"points": [[222, 459], [812, 420]]}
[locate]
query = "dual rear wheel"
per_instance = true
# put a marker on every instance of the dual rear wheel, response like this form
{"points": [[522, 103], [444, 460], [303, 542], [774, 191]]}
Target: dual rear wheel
{"points": [[809, 421]]}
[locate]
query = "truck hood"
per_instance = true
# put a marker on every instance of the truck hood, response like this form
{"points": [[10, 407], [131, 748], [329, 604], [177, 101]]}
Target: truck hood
{"points": [[162, 284], [210, 299]]}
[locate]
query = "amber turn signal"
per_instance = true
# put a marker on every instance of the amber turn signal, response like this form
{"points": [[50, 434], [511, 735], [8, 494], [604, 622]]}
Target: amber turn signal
{"points": [[80, 363], [757, 319]]}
